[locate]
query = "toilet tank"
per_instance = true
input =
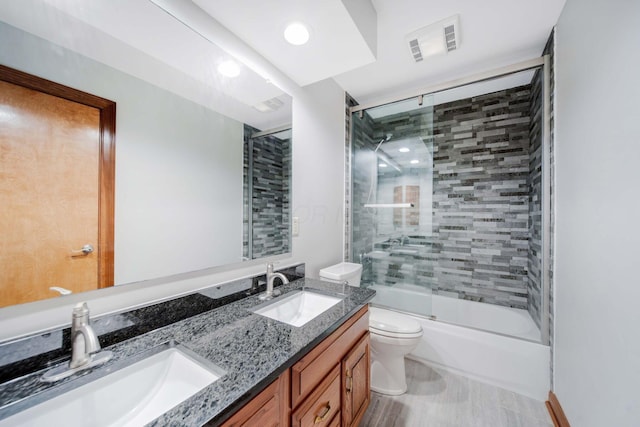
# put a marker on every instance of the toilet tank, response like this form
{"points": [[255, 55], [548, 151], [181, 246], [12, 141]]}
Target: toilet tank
{"points": [[349, 271]]}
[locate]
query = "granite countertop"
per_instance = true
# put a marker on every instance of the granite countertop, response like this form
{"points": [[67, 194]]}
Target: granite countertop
{"points": [[252, 350]]}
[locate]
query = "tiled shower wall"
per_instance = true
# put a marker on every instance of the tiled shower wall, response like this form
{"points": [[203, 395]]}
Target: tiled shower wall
{"points": [[480, 196], [534, 284], [478, 245], [271, 195], [549, 49]]}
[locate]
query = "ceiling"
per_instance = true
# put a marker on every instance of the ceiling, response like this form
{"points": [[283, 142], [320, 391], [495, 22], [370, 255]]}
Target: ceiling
{"points": [[340, 33], [141, 39], [493, 33], [359, 43]]}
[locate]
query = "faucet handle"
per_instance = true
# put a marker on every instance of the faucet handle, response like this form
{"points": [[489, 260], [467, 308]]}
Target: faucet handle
{"points": [[81, 310]]}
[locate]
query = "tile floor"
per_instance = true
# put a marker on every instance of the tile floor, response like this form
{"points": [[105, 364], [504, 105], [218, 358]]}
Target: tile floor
{"points": [[437, 398]]}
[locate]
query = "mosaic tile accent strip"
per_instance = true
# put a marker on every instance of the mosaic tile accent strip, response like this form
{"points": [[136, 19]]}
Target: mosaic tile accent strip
{"points": [[349, 102], [550, 50], [534, 282]]}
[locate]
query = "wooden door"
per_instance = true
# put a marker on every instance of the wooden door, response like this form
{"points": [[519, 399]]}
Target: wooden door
{"points": [[51, 161], [356, 377]]}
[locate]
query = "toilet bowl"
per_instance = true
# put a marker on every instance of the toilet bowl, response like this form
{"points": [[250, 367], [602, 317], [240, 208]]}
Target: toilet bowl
{"points": [[393, 335]]}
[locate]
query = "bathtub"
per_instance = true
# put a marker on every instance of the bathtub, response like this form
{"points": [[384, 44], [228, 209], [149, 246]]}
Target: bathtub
{"points": [[459, 341]]}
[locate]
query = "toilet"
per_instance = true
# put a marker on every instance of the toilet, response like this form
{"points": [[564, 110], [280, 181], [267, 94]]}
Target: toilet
{"points": [[393, 335]]}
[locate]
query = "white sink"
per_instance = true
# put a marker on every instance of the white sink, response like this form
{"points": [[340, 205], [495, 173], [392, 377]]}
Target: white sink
{"points": [[132, 396], [297, 308]]}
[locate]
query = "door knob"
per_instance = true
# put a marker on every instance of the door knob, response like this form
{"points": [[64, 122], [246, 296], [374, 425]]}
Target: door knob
{"points": [[86, 250]]}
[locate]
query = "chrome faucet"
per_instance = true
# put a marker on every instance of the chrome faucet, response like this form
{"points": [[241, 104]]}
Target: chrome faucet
{"points": [[84, 341], [271, 276], [85, 347]]}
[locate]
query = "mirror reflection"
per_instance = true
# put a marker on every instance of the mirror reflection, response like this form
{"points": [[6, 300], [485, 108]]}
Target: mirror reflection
{"points": [[202, 158]]}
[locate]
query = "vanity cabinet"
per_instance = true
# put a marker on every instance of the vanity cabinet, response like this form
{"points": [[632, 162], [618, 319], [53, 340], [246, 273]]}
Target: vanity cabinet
{"points": [[328, 387], [356, 368], [268, 409], [334, 401]]}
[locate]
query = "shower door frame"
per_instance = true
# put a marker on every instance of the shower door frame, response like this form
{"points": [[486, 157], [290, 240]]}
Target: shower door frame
{"points": [[543, 63]]}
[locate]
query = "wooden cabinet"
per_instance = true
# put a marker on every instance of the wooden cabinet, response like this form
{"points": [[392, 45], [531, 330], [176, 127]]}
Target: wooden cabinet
{"points": [[356, 376], [328, 387], [323, 405], [346, 350], [268, 409]]}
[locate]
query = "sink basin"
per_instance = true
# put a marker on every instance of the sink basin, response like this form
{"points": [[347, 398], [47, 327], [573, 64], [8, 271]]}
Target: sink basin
{"points": [[131, 396], [297, 308]]}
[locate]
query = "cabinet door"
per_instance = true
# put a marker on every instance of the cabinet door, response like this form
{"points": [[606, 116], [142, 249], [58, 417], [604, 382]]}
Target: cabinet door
{"points": [[322, 405], [356, 371], [270, 408], [307, 373]]}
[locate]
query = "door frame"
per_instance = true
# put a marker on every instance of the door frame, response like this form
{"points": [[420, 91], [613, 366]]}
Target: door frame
{"points": [[107, 162]]}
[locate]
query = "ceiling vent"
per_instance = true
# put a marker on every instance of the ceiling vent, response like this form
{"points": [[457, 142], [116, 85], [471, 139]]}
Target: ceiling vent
{"points": [[435, 39], [269, 105]]}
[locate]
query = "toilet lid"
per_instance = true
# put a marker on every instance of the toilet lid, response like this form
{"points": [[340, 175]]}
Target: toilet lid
{"points": [[389, 321]]}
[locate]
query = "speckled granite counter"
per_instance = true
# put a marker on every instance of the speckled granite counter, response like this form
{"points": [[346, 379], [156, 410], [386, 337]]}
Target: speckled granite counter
{"points": [[253, 350]]}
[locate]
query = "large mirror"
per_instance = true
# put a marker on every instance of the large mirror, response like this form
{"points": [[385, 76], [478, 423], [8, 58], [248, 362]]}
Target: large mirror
{"points": [[202, 159]]}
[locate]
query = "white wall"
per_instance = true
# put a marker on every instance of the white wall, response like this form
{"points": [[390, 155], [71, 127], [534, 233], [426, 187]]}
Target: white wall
{"points": [[318, 174], [597, 297]]}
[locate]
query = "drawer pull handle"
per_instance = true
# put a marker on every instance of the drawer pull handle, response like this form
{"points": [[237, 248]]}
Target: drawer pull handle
{"points": [[320, 418], [349, 381]]}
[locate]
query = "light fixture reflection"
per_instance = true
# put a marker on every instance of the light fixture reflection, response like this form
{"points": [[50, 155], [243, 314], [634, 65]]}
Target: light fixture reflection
{"points": [[404, 150], [415, 162], [229, 69], [296, 33], [382, 165]]}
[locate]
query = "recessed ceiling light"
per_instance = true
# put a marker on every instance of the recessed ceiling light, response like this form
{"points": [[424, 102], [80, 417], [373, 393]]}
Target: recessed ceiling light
{"points": [[296, 33], [404, 150], [229, 68], [415, 162], [383, 165]]}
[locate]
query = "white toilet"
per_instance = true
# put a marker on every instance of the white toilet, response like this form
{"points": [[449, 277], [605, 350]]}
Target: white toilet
{"points": [[393, 335]]}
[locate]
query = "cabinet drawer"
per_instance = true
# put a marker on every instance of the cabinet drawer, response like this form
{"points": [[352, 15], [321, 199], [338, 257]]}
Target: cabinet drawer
{"points": [[322, 407], [312, 368]]}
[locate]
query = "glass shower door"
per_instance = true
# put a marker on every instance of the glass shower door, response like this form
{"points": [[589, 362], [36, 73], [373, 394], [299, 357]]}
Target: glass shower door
{"points": [[391, 187]]}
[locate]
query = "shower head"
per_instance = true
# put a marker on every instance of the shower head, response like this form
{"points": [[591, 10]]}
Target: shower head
{"points": [[383, 140]]}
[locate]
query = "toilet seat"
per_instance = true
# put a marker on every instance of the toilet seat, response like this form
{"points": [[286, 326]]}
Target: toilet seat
{"points": [[393, 325]]}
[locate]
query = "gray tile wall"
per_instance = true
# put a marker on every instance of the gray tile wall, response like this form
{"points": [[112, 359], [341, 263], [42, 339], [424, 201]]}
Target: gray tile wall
{"points": [[271, 195], [550, 50], [499, 262], [349, 102], [479, 242], [480, 196], [534, 283]]}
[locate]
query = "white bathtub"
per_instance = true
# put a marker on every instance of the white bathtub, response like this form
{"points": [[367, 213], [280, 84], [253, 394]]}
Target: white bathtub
{"points": [[512, 363]]}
